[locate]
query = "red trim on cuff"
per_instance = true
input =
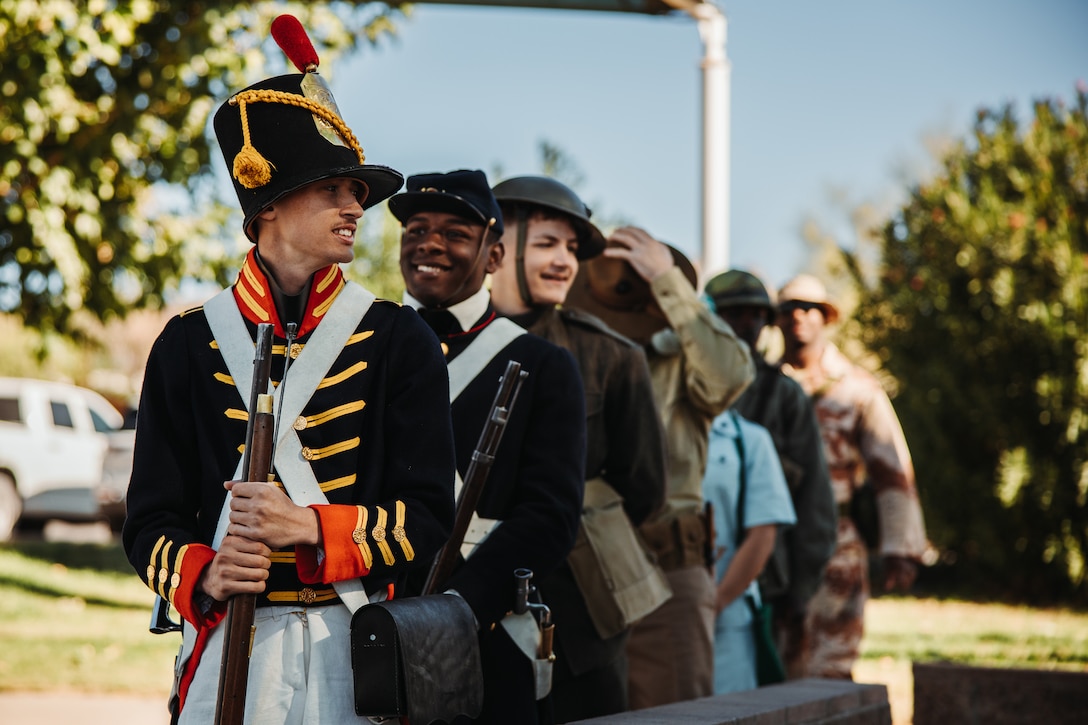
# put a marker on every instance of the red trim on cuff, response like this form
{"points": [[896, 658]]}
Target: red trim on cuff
{"points": [[185, 599], [343, 560]]}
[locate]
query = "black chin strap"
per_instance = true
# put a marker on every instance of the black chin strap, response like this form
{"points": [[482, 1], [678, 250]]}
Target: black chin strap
{"points": [[519, 258]]}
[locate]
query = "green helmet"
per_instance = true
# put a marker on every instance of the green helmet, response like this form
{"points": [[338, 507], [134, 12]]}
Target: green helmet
{"points": [[738, 289], [542, 191]]}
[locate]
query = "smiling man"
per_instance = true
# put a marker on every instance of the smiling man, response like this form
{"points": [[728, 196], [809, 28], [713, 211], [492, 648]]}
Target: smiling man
{"points": [[548, 228], [527, 516], [358, 382]]}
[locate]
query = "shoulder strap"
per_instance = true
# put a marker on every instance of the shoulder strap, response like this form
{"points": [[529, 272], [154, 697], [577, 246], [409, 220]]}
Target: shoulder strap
{"points": [[743, 477], [307, 371], [465, 367]]}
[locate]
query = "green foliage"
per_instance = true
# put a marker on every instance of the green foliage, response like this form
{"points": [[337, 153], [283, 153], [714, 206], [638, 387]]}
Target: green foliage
{"points": [[108, 196], [980, 312]]}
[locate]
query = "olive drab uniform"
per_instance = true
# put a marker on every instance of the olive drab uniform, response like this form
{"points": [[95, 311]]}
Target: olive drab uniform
{"points": [[863, 442], [608, 580], [625, 446], [698, 367]]}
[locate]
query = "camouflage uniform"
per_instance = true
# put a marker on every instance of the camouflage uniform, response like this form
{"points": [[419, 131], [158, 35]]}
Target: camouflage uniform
{"points": [[864, 443]]}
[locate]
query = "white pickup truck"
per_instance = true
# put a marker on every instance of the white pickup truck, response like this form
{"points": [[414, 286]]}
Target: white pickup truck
{"points": [[63, 455]]}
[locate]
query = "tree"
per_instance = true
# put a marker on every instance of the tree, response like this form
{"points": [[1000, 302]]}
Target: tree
{"points": [[107, 182], [980, 312]]}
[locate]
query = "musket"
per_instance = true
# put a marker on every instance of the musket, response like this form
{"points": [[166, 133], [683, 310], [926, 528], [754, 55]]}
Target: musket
{"points": [[238, 627], [478, 468]]}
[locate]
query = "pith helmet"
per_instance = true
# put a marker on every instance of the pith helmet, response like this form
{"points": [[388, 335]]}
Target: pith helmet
{"points": [[285, 132], [806, 288], [610, 289], [542, 191], [736, 288]]}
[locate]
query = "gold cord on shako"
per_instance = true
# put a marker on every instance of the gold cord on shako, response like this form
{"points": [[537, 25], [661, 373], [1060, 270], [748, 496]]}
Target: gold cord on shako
{"points": [[251, 168]]}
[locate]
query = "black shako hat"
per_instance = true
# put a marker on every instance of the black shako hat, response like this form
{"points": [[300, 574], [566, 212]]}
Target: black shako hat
{"points": [[464, 193], [285, 132]]}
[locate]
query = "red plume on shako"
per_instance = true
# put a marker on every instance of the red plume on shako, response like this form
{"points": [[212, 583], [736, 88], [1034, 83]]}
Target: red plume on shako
{"points": [[289, 34]]}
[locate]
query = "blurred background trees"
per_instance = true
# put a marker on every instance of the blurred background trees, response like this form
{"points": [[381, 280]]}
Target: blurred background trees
{"points": [[108, 198], [978, 311]]}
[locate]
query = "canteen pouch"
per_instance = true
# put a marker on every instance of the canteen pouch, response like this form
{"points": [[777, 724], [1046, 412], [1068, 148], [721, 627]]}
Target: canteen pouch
{"points": [[613, 568], [417, 657]]}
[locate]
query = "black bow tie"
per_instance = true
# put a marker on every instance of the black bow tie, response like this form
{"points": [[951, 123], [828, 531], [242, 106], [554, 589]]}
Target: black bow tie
{"points": [[441, 321]]}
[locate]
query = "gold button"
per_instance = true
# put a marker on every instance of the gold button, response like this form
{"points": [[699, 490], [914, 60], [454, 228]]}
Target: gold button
{"points": [[300, 423], [359, 536], [398, 534], [150, 571], [162, 576], [445, 349], [379, 534], [175, 580], [307, 595], [307, 453], [296, 350]]}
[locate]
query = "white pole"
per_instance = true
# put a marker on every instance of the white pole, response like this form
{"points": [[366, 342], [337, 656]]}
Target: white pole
{"points": [[716, 70]]}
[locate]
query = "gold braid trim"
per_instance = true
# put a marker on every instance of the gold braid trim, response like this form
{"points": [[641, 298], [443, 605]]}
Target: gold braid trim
{"points": [[378, 533], [400, 535], [253, 170]]}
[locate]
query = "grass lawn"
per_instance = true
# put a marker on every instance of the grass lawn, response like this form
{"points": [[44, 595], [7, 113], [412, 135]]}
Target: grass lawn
{"points": [[84, 629], [899, 631], [74, 617]]}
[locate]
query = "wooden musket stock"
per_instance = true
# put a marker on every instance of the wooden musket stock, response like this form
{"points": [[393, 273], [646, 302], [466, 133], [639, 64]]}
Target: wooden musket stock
{"points": [[256, 466], [476, 475]]}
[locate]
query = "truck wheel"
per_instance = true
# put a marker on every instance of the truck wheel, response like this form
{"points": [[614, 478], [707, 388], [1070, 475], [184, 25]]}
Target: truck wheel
{"points": [[11, 506]]}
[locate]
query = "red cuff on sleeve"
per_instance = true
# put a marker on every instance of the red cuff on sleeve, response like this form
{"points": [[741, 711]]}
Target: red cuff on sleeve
{"points": [[186, 596], [343, 558]]}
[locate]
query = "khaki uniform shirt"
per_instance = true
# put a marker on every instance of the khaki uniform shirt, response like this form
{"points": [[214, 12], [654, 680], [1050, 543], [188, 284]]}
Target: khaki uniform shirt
{"points": [[698, 367]]}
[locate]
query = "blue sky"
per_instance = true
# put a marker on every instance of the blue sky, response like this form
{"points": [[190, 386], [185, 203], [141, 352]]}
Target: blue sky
{"points": [[827, 98]]}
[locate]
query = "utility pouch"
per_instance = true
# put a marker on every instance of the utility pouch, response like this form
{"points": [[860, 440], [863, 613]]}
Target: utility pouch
{"points": [[417, 657], [613, 568]]}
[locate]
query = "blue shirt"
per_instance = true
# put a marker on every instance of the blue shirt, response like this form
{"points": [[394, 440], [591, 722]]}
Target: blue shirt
{"points": [[766, 501]]}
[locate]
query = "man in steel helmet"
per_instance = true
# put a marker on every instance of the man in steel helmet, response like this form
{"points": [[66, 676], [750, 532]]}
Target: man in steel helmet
{"points": [[548, 232], [778, 403]]}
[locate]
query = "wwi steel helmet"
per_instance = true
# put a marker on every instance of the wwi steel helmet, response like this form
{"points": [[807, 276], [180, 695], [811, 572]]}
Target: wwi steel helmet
{"points": [[525, 192], [520, 196], [736, 288]]}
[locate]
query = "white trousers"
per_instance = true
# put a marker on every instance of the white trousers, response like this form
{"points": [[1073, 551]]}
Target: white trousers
{"points": [[299, 673]]}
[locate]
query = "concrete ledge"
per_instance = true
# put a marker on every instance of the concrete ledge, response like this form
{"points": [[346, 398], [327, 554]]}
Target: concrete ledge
{"points": [[811, 701], [949, 693]]}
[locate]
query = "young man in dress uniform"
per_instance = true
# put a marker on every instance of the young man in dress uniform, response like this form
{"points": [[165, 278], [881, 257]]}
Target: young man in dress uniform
{"points": [[777, 402], [359, 383], [548, 232], [528, 514], [645, 289]]}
